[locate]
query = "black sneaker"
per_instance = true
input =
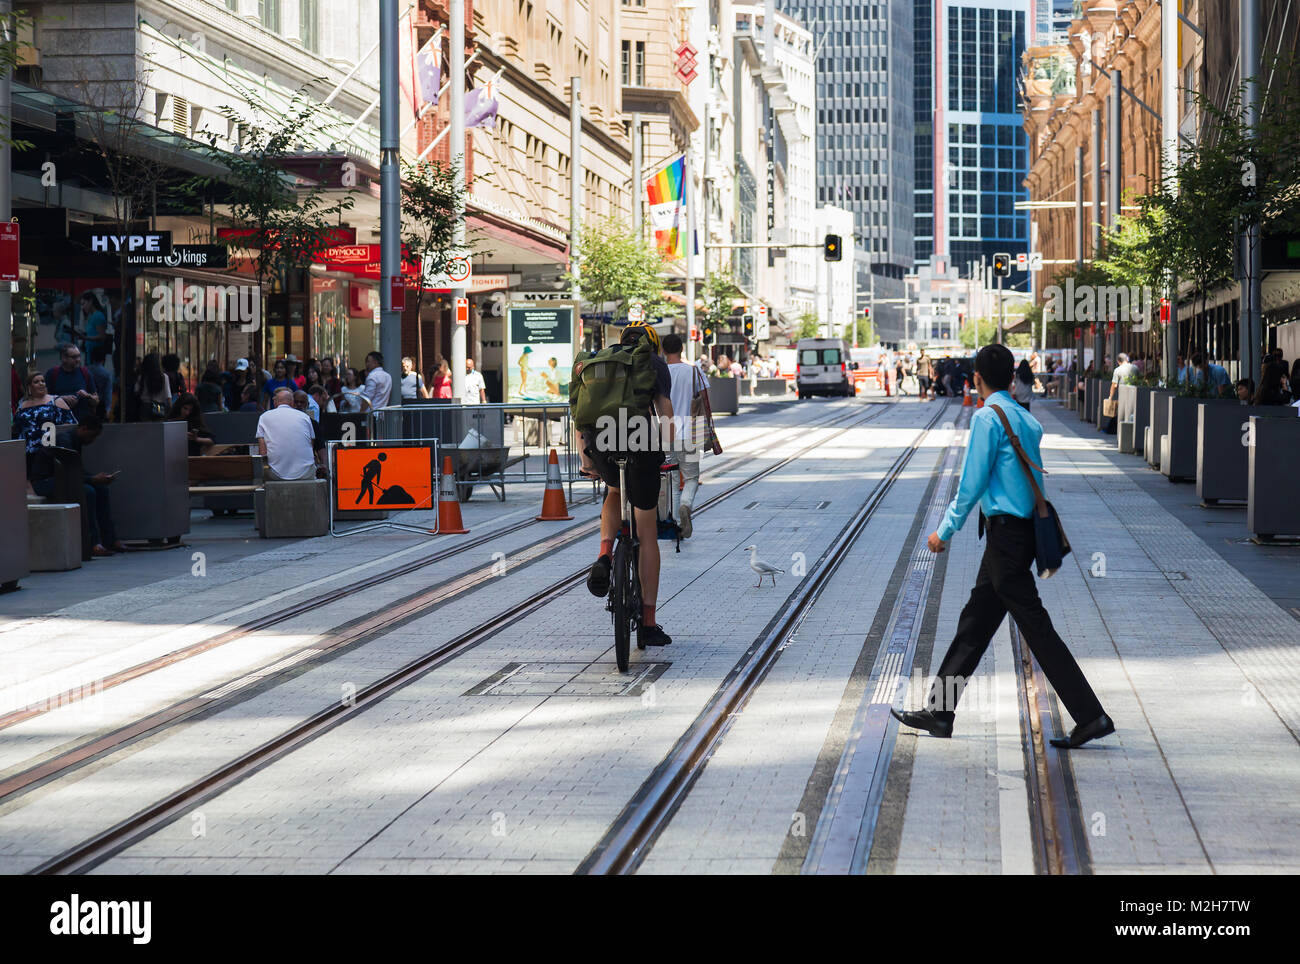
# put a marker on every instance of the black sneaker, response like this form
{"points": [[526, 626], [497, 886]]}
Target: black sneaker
{"points": [[652, 636], [598, 578]]}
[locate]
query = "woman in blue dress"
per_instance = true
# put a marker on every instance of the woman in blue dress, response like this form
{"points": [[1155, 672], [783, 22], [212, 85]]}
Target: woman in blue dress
{"points": [[37, 409]]}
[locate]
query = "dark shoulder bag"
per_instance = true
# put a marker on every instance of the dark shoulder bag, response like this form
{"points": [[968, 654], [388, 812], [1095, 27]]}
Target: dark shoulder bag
{"points": [[1050, 543]]}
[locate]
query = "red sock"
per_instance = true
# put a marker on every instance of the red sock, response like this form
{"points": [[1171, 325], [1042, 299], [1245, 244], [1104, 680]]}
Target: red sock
{"points": [[607, 547], [648, 615]]}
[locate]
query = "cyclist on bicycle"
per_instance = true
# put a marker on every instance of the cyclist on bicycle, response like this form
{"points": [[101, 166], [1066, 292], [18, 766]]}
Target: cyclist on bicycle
{"points": [[642, 492]]}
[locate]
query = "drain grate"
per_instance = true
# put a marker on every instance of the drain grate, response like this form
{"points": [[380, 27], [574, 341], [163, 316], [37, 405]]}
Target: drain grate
{"points": [[569, 679]]}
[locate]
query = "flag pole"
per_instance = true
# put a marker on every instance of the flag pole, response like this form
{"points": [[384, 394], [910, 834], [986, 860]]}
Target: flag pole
{"points": [[456, 40], [390, 211]]}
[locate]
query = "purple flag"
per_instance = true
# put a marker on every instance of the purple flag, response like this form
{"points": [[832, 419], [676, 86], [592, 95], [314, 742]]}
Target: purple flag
{"points": [[427, 74], [481, 106]]}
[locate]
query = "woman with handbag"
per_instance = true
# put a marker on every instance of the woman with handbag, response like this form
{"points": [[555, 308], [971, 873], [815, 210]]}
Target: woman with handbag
{"points": [[153, 390], [1001, 475]]}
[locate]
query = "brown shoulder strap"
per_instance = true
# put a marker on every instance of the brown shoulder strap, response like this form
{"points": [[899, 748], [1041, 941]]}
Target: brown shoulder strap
{"points": [[1040, 502]]}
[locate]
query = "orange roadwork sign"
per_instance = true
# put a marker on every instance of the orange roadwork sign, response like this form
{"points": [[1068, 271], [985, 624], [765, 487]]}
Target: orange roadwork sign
{"points": [[400, 477]]}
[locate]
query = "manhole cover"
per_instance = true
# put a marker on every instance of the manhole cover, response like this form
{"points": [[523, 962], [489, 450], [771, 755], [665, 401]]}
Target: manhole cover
{"points": [[569, 679]]}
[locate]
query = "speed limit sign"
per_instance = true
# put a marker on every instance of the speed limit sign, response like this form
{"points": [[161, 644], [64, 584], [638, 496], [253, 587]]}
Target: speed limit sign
{"points": [[459, 270]]}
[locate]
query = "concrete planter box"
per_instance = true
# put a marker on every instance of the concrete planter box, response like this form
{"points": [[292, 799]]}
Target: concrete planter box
{"points": [[1272, 508], [13, 513], [1089, 400], [151, 498], [1141, 417], [1222, 459], [233, 428], [1178, 455], [1159, 424], [724, 395]]}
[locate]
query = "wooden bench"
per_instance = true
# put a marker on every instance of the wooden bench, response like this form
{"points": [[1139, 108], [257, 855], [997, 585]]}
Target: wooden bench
{"points": [[225, 483]]}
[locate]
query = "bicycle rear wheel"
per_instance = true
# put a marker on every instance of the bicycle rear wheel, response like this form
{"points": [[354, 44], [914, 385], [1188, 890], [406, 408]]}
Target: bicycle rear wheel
{"points": [[621, 603]]}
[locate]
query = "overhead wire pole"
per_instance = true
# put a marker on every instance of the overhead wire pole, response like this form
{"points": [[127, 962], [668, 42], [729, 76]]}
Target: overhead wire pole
{"points": [[6, 201], [575, 188], [456, 127], [390, 200], [1169, 70], [1252, 322], [688, 185], [1114, 140]]}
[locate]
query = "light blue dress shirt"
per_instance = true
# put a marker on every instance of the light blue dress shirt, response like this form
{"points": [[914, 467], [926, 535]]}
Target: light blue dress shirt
{"points": [[991, 475]]}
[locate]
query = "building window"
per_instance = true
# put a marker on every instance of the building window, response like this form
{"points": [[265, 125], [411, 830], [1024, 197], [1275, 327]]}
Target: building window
{"points": [[309, 24], [633, 63], [269, 13]]}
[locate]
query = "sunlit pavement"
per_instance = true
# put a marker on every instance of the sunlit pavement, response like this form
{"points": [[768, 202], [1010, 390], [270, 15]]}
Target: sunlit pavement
{"points": [[518, 754]]}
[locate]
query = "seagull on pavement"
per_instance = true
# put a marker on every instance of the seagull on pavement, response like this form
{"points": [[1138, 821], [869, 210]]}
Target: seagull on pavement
{"points": [[762, 568]]}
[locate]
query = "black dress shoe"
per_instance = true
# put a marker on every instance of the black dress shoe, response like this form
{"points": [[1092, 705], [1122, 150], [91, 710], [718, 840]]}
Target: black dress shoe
{"points": [[1081, 734], [924, 720]]}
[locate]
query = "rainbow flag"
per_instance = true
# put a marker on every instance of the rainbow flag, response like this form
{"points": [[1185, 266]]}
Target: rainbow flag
{"points": [[667, 208]]}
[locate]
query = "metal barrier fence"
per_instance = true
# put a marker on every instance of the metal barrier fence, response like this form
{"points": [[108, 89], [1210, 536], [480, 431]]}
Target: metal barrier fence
{"points": [[490, 444]]}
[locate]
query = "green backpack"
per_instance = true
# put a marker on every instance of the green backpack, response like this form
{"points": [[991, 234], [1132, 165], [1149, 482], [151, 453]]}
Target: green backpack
{"points": [[620, 378]]}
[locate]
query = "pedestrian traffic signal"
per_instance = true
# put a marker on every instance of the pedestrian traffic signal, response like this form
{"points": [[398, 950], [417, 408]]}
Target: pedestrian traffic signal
{"points": [[831, 250], [1001, 265], [747, 321], [708, 335], [866, 314]]}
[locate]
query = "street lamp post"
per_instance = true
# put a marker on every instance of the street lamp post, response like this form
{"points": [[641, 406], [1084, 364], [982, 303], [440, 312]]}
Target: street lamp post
{"points": [[390, 200]]}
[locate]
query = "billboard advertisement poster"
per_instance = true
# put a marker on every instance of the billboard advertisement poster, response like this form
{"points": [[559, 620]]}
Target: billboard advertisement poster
{"points": [[391, 477], [539, 351]]}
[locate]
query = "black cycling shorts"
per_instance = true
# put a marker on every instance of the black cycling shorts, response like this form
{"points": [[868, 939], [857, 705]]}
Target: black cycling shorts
{"points": [[642, 473]]}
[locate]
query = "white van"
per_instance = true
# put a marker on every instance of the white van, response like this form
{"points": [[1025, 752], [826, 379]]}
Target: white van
{"points": [[822, 367]]}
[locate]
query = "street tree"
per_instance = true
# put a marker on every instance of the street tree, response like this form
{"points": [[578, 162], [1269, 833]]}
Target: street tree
{"points": [[132, 169], [618, 268], [284, 223]]}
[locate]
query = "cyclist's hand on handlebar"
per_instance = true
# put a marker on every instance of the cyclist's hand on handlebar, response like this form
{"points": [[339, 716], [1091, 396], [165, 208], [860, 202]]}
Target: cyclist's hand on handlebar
{"points": [[670, 467]]}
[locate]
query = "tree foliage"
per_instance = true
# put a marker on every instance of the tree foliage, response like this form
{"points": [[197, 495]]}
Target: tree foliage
{"points": [[433, 204], [618, 268], [11, 24], [284, 223]]}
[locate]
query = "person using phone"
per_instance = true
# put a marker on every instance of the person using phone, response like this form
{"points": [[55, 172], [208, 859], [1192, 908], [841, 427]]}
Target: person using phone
{"points": [[96, 503]]}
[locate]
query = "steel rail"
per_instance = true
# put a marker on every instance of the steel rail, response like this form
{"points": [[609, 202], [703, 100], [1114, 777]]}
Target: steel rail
{"points": [[74, 694], [634, 832], [105, 844], [1057, 832]]}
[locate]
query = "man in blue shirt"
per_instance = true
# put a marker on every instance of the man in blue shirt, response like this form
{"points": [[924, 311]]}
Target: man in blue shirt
{"points": [[993, 478], [1208, 373]]}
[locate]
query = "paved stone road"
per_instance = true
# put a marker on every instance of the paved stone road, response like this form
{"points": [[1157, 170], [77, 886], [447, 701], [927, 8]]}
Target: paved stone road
{"points": [[515, 757]]}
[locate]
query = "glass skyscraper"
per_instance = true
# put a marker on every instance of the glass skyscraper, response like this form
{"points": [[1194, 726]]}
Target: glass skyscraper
{"points": [[969, 138], [865, 138]]}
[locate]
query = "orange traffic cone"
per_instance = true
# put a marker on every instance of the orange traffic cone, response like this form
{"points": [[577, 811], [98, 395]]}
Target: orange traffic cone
{"points": [[553, 506], [979, 403], [965, 396], [449, 522]]}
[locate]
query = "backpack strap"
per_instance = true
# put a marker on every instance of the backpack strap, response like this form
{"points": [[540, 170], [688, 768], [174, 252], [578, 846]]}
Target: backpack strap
{"points": [[1040, 502]]}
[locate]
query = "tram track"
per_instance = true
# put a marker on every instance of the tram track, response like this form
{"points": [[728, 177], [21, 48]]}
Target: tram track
{"points": [[634, 832], [141, 824], [312, 604], [1057, 832]]}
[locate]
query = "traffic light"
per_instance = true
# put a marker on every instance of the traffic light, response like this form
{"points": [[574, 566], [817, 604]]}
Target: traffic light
{"points": [[1001, 265], [866, 313], [747, 321], [831, 250], [708, 335]]}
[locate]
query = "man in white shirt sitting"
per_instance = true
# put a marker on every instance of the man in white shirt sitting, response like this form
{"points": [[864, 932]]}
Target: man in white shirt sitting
{"points": [[287, 439], [475, 386], [379, 384]]}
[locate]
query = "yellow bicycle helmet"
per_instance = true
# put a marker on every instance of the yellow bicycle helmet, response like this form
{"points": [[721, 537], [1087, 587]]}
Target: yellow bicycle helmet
{"points": [[649, 333]]}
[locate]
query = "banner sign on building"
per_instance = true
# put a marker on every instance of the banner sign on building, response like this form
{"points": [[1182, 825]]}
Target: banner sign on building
{"points": [[539, 351], [184, 256], [667, 208]]}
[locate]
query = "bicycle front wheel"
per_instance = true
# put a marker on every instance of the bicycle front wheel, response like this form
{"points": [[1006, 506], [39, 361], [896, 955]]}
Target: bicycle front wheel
{"points": [[621, 603]]}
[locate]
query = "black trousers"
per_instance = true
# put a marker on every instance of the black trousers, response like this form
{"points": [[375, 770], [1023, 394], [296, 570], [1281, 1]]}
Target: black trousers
{"points": [[1005, 584]]}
